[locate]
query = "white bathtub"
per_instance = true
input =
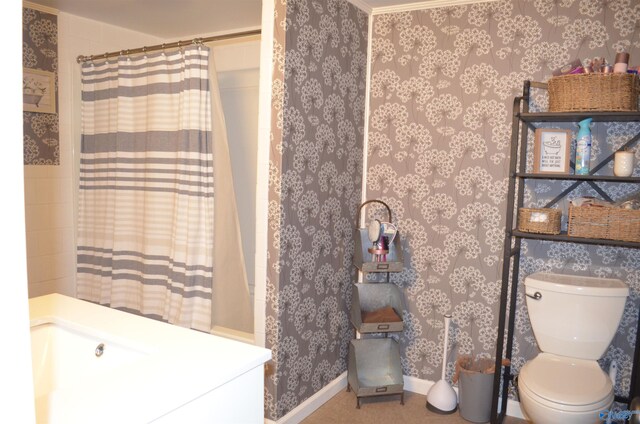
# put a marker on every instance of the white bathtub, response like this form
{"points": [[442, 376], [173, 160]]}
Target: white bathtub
{"points": [[100, 365]]}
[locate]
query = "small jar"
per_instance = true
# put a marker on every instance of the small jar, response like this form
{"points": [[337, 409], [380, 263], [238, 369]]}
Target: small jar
{"points": [[623, 163]]}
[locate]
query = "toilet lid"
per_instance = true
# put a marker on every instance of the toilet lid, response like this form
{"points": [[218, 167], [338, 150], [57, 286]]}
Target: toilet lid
{"points": [[566, 381]]}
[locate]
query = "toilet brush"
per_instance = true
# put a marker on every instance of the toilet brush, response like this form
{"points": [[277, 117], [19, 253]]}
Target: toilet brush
{"points": [[442, 399]]}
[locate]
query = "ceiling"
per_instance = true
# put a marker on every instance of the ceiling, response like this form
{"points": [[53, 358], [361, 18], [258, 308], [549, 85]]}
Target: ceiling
{"points": [[171, 19], [167, 19]]}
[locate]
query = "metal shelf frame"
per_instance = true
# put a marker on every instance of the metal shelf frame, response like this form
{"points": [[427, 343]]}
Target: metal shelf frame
{"points": [[522, 122]]}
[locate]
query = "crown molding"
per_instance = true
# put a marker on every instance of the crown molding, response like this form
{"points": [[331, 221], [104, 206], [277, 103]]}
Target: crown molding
{"points": [[41, 8], [362, 5], [430, 4]]}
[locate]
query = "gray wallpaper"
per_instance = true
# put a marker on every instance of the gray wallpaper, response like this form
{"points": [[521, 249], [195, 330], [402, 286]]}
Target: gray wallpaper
{"points": [[442, 87], [314, 192], [40, 51]]}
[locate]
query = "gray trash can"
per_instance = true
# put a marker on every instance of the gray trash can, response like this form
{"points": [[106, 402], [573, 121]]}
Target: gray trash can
{"points": [[475, 388]]}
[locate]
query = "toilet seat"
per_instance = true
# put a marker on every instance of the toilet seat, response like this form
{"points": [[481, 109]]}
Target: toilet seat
{"points": [[566, 383]]}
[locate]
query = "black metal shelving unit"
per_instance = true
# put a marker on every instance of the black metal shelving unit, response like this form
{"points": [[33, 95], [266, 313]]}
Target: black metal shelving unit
{"points": [[524, 121]]}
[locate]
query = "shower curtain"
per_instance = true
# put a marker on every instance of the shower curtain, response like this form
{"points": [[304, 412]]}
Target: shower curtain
{"points": [[153, 143], [146, 198], [232, 307]]}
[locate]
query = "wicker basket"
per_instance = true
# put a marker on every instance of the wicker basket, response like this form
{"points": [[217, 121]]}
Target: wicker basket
{"points": [[542, 221], [594, 92], [604, 223]]}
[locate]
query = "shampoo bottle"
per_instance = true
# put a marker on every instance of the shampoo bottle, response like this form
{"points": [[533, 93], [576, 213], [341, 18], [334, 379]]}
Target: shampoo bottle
{"points": [[583, 147]]}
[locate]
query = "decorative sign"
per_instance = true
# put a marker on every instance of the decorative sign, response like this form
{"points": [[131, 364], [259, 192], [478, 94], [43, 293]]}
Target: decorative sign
{"points": [[38, 91], [551, 150]]}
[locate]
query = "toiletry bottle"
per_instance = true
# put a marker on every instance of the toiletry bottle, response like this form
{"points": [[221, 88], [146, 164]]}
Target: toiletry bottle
{"points": [[583, 147], [622, 63]]}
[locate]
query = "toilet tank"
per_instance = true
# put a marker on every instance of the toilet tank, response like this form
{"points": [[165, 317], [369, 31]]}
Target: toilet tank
{"points": [[573, 315]]}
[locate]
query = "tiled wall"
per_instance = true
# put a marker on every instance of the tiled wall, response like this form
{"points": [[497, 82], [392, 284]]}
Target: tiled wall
{"points": [[49, 190], [442, 87]]}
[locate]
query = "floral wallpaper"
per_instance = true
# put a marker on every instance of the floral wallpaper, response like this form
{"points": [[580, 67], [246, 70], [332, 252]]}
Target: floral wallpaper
{"points": [[315, 184], [442, 84], [40, 51]]}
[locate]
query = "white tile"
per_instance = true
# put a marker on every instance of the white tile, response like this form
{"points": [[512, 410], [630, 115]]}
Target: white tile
{"points": [[61, 265], [68, 240], [50, 241], [30, 191], [36, 268], [42, 288], [61, 216], [66, 286], [32, 244]]}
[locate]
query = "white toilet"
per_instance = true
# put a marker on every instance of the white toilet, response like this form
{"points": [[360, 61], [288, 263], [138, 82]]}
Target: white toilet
{"points": [[574, 319]]}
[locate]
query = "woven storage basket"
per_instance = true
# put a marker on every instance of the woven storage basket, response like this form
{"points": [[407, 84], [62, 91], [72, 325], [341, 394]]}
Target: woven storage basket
{"points": [[604, 223], [594, 92], [542, 221]]}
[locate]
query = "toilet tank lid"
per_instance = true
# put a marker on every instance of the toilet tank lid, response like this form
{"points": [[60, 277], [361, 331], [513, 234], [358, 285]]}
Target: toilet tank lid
{"points": [[577, 284]]}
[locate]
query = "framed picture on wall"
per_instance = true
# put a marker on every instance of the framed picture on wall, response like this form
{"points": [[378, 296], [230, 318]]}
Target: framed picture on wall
{"points": [[551, 150], [38, 91]]}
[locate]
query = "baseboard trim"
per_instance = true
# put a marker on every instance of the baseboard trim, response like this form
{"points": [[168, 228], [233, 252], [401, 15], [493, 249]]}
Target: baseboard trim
{"points": [[314, 402], [417, 385], [411, 384], [514, 410]]}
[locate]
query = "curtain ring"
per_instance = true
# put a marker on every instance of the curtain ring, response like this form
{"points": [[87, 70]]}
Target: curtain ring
{"points": [[144, 51], [198, 42], [163, 49]]}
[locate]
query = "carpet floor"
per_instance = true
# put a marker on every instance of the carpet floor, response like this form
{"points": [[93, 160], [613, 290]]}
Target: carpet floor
{"points": [[385, 409]]}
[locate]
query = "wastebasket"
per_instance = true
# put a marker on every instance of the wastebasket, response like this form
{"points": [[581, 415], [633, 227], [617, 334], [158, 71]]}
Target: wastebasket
{"points": [[475, 387]]}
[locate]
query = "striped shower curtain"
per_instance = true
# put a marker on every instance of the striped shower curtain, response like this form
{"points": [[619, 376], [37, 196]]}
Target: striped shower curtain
{"points": [[145, 219]]}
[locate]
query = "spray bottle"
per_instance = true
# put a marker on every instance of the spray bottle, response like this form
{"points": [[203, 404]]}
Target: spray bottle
{"points": [[583, 147]]}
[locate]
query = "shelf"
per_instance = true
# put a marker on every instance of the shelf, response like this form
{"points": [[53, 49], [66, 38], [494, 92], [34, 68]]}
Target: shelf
{"points": [[363, 260], [565, 238], [573, 177], [369, 297], [523, 122], [374, 368], [579, 116]]}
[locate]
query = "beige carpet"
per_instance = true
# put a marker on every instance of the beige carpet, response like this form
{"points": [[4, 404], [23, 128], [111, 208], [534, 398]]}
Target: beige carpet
{"points": [[386, 409]]}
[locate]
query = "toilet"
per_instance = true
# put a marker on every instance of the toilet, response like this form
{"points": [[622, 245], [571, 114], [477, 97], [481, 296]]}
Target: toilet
{"points": [[574, 319]]}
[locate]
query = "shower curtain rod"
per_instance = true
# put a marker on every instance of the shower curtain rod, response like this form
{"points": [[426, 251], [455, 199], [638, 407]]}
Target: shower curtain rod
{"points": [[163, 46]]}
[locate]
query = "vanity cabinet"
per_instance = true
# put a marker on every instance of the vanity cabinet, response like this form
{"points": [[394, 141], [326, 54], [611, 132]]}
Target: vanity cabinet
{"points": [[523, 122]]}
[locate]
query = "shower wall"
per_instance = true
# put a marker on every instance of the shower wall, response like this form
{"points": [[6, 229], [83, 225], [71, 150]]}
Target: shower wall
{"points": [[50, 204]]}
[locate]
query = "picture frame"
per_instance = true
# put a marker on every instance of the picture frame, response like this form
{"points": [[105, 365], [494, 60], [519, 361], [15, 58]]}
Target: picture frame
{"points": [[38, 91], [551, 151]]}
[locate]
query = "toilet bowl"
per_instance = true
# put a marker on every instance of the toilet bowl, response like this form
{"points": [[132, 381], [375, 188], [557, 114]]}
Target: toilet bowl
{"points": [[574, 320], [557, 389]]}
